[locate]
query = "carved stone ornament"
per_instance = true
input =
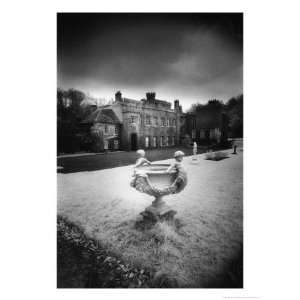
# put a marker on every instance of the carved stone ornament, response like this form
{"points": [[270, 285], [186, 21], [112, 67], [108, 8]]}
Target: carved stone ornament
{"points": [[154, 180]]}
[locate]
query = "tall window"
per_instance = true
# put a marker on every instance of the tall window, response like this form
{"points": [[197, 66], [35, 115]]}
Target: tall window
{"points": [[202, 134], [163, 122], [193, 134], [148, 120], [167, 140], [116, 129], [161, 141], [173, 140], [105, 144], [106, 129], [132, 119], [111, 130], [211, 134], [218, 134], [147, 142], [154, 141], [168, 124], [155, 121], [174, 122], [116, 144]]}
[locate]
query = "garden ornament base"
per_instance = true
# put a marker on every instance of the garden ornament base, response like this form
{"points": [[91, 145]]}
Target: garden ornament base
{"points": [[158, 211], [154, 180]]}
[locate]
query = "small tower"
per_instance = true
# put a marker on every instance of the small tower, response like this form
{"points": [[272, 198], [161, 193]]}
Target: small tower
{"points": [[118, 96], [177, 107], [150, 96]]}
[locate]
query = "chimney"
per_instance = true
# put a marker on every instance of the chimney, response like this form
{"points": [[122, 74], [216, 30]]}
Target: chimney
{"points": [[176, 104], [118, 96], [150, 96]]}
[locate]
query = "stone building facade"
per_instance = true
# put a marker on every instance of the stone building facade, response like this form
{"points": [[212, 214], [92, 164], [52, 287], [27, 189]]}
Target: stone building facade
{"points": [[150, 123], [146, 123], [207, 126], [104, 127]]}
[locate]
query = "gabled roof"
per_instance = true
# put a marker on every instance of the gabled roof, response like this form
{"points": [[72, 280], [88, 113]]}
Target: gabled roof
{"points": [[87, 101], [102, 115]]}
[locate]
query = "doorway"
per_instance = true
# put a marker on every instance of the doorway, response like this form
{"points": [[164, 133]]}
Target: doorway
{"points": [[133, 140], [207, 134]]}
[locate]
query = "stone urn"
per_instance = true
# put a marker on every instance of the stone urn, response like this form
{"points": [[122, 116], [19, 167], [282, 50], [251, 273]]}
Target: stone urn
{"points": [[157, 182]]}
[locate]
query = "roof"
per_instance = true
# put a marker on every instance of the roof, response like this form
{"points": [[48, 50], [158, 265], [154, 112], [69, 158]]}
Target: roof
{"points": [[102, 115], [128, 100], [88, 101], [146, 101], [157, 102]]}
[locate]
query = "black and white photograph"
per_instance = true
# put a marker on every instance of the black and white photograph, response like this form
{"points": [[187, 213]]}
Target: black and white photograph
{"points": [[150, 150], [132, 168]]}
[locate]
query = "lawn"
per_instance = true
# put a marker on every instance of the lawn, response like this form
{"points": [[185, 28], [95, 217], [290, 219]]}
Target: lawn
{"points": [[100, 161], [198, 250]]}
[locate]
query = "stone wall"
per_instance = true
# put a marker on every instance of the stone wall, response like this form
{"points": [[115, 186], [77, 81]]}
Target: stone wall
{"points": [[100, 132]]}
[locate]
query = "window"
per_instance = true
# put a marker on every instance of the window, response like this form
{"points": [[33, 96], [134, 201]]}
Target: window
{"points": [[106, 129], [161, 141], [132, 119], [148, 120], [173, 140], [116, 130], [168, 122], [105, 144], [218, 134], [111, 130], [168, 140], [193, 134], [207, 134], [155, 121], [212, 134], [147, 142], [174, 122], [163, 122], [154, 141], [116, 144], [202, 134]]}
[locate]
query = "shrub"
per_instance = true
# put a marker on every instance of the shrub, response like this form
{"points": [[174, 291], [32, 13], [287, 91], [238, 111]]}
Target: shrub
{"points": [[219, 155]]}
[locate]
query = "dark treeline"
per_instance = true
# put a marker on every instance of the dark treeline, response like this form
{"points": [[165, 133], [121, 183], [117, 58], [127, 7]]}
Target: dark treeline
{"points": [[70, 113], [233, 108]]}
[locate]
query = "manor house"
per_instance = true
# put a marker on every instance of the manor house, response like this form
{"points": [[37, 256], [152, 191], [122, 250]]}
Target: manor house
{"points": [[129, 124]]}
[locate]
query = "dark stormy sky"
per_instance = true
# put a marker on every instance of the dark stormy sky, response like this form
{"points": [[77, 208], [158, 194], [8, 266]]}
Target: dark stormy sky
{"points": [[190, 57]]}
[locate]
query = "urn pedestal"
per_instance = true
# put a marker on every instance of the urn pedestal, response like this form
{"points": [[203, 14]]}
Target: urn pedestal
{"points": [[158, 211], [157, 182]]}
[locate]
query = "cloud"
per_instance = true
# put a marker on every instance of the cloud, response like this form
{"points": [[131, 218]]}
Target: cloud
{"points": [[174, 58]]}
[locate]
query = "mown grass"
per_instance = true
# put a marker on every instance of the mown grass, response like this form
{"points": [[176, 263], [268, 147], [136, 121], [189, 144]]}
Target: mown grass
{"points": [[197, 250]]}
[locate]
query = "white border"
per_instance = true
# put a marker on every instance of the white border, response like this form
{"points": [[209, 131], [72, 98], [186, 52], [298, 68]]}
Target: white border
{"points": [[28, 77]]}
